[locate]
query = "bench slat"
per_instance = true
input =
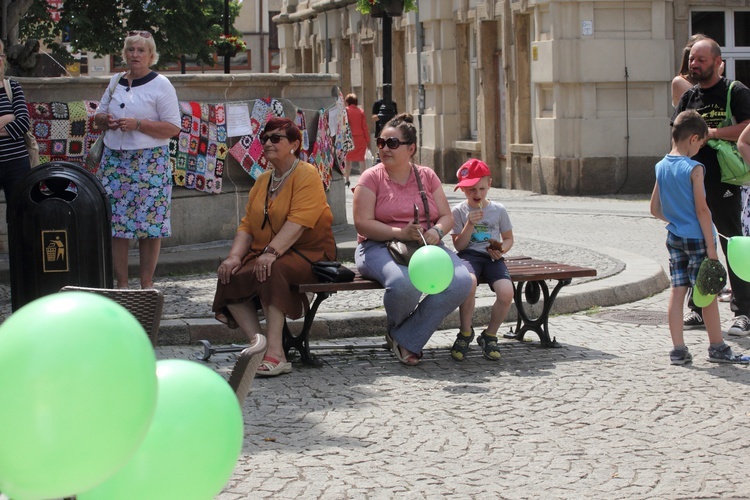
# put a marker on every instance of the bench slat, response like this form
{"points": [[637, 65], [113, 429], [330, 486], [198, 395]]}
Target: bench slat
{"points": [[520, 268]]}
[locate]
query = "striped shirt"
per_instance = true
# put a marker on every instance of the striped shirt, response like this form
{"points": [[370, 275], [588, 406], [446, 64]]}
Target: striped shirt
{"points": [[13, 146]]}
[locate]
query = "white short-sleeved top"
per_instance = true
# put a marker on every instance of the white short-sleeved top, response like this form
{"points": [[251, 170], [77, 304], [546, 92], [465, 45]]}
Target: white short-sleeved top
{"points": [[149, 98], [495, 221]]}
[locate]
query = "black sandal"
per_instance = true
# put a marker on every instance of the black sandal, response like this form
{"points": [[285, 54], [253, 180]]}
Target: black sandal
{"points": [[490, 349], [461, 346]]}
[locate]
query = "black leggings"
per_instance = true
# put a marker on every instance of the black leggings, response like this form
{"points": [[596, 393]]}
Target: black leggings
{"points": [[11, 171]]}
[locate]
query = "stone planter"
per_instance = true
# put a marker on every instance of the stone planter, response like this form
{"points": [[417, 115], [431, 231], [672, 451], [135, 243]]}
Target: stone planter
{"points": [[391, 8], [376, 11]]}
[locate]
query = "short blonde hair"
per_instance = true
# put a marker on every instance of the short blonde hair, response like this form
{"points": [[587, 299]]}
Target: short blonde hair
{"points": [[148, 41]]}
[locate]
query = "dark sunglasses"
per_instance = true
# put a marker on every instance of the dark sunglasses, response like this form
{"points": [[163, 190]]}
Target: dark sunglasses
{"points": [[274, 138], [144, 34], [391, 142]]}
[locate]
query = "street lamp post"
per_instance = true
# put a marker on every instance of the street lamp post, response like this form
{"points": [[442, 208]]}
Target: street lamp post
{"points": [[227, 57], [387, 108]]}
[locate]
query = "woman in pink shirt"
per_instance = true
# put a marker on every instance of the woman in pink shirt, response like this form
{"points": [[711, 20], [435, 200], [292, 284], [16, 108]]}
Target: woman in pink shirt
{"points": [[383, 207], [360, 134]]}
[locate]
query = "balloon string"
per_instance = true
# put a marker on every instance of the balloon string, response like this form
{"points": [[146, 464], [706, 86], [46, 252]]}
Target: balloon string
{"points": [[422, 236], [717, 232]]}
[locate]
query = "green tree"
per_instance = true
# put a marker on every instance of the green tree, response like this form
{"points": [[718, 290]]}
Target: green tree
{"points": [[100, 26]]}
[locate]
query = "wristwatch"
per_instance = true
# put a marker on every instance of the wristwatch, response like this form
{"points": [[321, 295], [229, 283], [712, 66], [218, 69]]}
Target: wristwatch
{"points": [[271, 250], [439, 231]]}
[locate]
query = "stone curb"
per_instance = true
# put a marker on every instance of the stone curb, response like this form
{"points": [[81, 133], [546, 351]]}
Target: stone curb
{"points": [[640, 278]]}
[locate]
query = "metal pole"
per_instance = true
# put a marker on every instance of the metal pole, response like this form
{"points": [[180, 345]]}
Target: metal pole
{"points": [[387, 109], [420, 85], [226, 33]]}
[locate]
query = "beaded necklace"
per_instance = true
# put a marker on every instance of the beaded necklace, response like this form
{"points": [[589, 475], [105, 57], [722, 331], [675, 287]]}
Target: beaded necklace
{"points": [[280, 180]]}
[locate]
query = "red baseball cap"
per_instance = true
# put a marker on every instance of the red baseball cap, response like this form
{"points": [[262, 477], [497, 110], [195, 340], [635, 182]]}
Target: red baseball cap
{"points": [[470, 172]]}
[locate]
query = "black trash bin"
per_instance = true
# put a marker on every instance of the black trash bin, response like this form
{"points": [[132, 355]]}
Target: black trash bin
{"points": [[59, 232]]}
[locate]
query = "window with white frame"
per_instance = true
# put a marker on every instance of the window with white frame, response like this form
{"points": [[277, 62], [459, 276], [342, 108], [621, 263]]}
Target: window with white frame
{"points": [[729, 27]]}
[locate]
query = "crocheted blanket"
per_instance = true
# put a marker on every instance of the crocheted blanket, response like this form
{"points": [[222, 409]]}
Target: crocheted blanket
{"points": [[63, 130], [199, 152]]}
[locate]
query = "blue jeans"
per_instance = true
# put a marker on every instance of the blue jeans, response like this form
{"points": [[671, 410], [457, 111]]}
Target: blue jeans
{"points": [[411, 322]]}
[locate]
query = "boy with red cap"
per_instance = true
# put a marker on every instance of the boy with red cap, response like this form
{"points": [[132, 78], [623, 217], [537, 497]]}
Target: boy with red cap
{"points": [[482, 233]]}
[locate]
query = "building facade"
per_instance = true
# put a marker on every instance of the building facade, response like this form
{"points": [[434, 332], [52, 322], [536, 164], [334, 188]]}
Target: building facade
{"points": [[557, 96]]}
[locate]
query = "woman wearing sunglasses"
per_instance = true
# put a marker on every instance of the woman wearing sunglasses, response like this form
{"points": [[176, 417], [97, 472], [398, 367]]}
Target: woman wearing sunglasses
{"points": [[384, 210], [139, 113], [286, 215]]}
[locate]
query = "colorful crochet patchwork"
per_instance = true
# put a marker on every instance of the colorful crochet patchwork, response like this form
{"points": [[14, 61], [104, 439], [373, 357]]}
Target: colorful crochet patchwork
{"points": [[344, 141], [64, 130], [248, 151], [198, 154], [301, 122], [322, 153]]}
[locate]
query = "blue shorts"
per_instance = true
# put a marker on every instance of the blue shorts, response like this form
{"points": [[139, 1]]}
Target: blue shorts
{"points": [[481, 265], [685, 257]]}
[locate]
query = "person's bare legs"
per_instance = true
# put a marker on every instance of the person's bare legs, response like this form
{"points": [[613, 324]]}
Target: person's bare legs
{"points": [[466, 309], [347, 171], [712, 320], [674, 314], [274, 333], [246, 317], [148, 249], [120, 248], [504, 292]]}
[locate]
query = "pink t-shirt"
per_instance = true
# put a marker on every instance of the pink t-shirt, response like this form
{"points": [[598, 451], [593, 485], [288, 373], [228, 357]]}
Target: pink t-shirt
{"points": [[394, 203]]}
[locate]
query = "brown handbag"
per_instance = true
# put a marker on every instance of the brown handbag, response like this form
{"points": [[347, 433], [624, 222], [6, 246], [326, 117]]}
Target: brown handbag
{"points": [[401, 251]]}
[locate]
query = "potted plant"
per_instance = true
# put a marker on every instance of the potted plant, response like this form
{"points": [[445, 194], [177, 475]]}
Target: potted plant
{"points": [[381, 8], [227, 45]]}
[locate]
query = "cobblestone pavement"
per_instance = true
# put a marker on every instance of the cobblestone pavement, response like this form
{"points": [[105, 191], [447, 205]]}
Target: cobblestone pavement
{"points": [[603, 416]]}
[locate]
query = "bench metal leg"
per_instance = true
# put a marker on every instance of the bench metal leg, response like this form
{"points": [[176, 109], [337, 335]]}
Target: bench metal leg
{"points": [[301, 342], [530, 291], [209, 350]]}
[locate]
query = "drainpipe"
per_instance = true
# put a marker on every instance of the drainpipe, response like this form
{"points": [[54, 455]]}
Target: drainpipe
{"points": [[420, 86], [262, 39]]}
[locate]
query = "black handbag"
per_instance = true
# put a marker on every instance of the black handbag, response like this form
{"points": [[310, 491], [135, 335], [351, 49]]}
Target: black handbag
{"points": [[329, 271]]}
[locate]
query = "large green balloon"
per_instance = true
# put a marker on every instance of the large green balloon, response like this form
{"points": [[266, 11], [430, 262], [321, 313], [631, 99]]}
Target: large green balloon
{"points": [[193, 444], [431, 269], [77, 394], [702, 300], [738, 255]]}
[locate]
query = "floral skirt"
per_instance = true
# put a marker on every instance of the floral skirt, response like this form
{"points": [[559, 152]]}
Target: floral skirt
{"points": [[139, 185]]}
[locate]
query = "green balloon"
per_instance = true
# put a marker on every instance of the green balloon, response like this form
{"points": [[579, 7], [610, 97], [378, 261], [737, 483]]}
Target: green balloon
{"points": [[738, 255], [193, 444], [77, 394], [431, 269], [702, 300]]}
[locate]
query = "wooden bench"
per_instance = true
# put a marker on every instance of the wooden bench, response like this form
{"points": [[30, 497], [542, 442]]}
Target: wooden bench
{"points": [[530, 276]]}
